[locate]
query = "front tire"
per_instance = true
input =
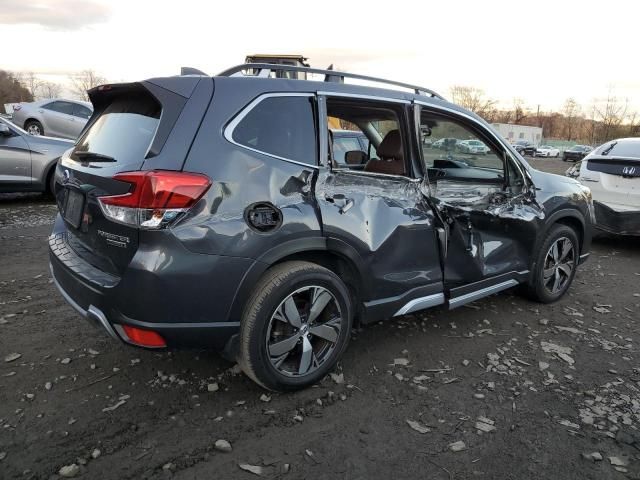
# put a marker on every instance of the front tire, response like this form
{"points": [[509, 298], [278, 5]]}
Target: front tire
{"points": [[295, 326], [555, 265]]}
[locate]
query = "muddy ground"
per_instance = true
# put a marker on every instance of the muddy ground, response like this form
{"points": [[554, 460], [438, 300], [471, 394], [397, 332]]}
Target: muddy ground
{"points": [[527, 388]]}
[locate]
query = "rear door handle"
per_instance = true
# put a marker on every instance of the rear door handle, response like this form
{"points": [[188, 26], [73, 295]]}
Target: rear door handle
{"points": [[343, 203]]}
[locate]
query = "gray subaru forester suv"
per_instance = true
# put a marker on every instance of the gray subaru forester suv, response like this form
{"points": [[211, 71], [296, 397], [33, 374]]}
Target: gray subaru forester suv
{"points": [[210, 212]]}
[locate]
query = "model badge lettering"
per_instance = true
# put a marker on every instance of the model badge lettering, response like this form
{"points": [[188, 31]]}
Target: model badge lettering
{"points": [[113, 239]]}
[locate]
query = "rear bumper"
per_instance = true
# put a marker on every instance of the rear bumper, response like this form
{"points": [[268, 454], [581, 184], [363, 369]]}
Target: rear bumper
{"points": [[617, 223], [188, 309]]}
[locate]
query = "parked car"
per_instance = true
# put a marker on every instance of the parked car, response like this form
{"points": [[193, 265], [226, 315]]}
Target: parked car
{"points": [[612, 172], [547, 151], [448, 144], [27, 162], [524, 148], [200, 216], [575, 153], [474, 147], [349, 141], [53, 117]]}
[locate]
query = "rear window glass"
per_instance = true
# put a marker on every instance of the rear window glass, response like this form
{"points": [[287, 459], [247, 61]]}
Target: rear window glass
{"points": [[124, 130], [621, 149], [281, 126]]}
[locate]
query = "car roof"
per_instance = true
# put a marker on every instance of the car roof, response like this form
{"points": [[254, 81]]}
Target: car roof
{"points": [[49, 100]]}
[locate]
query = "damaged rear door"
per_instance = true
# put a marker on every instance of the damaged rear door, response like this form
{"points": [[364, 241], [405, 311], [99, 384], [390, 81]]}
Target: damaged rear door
{"points": [[373, 211], [483, 200]]}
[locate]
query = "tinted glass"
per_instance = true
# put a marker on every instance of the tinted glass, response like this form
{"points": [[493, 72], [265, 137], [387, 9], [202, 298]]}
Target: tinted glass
{"points": [[81, 111], [282, 126], [124, 130], [60, 107]]}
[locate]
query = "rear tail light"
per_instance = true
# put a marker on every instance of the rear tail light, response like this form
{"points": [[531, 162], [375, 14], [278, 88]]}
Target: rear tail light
{"points": [[156, 198], [143, 338]]}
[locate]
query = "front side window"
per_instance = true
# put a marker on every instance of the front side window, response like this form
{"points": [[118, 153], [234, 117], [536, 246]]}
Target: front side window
{"points": [[280, 126], [452, 150]]}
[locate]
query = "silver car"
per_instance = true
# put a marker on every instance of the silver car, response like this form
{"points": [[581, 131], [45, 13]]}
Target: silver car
{"points": [[27, 162], [53, 117]]}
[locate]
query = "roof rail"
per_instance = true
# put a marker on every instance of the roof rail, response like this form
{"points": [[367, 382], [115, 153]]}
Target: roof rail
{"points": [[264, 69]]}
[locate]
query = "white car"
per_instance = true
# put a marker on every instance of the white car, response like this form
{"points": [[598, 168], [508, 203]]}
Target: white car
{"points": [[475, 147], [612, 172], [547, 151]]}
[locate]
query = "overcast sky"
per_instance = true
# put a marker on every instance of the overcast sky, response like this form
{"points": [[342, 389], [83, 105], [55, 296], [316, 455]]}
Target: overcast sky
{"points": [[541, 51]]}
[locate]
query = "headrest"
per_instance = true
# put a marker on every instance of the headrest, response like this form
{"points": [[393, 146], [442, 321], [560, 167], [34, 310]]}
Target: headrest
{"points": [[391, 146]]}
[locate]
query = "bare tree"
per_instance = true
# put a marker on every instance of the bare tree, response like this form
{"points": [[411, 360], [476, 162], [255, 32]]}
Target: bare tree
{"points": [[474, 99], [50, 90], [30, 82], [611, 113], [519, 111], [571, 111], [85, 80]]}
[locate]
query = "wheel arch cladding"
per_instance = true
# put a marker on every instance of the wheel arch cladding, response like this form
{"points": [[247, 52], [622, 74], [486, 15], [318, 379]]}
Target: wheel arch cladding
{"points": [[343, 266]]}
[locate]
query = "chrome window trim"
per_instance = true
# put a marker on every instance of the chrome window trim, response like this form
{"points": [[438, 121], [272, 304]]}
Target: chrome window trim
{"points": [[362, 97], [228, 130], [482, 128]]}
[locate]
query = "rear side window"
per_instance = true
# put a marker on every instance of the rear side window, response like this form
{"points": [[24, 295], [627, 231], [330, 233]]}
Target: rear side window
{"points": [[60, 107], [280, 126], [124, 130]]}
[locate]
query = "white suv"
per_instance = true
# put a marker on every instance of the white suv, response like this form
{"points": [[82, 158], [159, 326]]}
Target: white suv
{"points": [[612, 172]]}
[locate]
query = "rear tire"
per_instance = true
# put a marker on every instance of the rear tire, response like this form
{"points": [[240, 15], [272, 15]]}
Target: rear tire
{"points": [[286, 344], [555, 265], [34, 127]]}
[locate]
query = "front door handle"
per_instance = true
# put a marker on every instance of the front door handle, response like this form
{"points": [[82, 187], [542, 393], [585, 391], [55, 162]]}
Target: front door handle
{"points": [[343, 203]]}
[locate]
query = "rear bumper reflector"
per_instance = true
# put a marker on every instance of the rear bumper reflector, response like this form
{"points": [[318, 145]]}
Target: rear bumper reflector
{"points": [[140, 337]]}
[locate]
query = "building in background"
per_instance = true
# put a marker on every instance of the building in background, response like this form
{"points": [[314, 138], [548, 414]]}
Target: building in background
{"points": [[513, 133]]}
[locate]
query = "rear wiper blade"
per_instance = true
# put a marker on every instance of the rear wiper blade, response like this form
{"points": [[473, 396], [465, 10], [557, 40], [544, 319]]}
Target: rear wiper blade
{"points": [[93, 157], [609, 148]]}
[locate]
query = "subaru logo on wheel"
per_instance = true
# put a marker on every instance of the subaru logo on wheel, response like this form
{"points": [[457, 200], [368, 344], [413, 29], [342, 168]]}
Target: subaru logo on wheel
{"points": [[629, 171]]}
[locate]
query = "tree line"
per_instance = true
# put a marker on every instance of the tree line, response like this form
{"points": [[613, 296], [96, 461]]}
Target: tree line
{"points": [[601, 120], [27, 86]]}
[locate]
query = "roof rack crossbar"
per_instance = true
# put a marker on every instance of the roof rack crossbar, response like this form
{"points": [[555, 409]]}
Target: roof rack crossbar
{"points": [[265, 68]]}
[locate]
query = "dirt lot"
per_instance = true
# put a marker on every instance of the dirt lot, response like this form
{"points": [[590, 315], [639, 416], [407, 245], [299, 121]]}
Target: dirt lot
{"points": [[527, 388]]}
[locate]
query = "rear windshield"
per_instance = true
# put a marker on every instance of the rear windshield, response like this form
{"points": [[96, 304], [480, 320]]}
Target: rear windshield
{"points": [[621, 149], [124, 130]]}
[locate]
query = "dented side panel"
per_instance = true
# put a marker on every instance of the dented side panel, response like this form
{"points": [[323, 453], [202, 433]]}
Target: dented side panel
{"points": [[490, 232], [390, 225]]}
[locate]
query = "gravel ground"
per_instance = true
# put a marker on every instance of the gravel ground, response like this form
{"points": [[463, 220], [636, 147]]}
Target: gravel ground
{"points": [[500, 389]]}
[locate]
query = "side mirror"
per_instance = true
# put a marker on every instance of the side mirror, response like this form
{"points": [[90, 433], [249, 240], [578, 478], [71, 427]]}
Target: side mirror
{"points": [[355, 157], [5, 131]]}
